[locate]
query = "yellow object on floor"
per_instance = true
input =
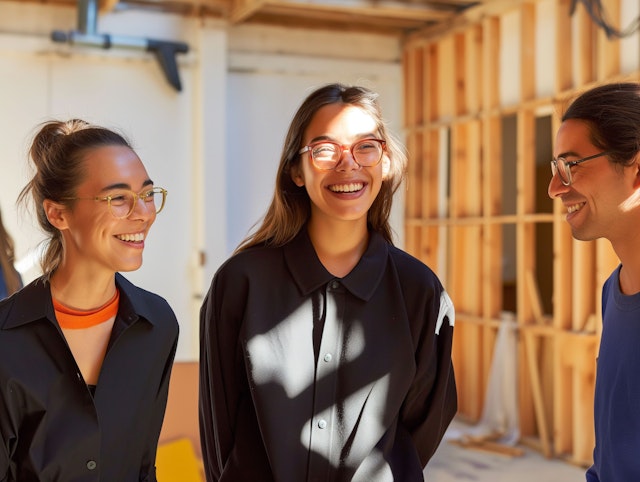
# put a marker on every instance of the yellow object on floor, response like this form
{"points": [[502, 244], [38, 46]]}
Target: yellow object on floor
{"points": [[176, 461]]}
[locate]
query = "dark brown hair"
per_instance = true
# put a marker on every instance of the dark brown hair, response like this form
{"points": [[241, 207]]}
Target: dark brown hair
{"points": [[290, 206], [612, 113], [58, 153]]}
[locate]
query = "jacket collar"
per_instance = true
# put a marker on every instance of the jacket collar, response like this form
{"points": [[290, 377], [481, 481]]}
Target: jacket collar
{"points": [[34, 303], [309, 273]]}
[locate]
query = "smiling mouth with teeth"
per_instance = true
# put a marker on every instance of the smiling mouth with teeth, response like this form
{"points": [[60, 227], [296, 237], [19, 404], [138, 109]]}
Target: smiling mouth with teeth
{"points": [[573, 208], [131, 238], [352, 187]]}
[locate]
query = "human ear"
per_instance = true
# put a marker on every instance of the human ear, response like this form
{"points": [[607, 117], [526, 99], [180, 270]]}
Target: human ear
{"points": [[56, 214], [296, 176], [636, 166]]}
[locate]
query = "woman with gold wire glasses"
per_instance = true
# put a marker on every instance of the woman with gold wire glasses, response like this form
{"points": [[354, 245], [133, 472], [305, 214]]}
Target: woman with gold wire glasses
{"points": [[85, 356]]}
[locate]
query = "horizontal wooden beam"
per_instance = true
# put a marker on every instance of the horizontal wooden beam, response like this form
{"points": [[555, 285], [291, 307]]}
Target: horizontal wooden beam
{"points": [[386, 16], [243, 9]]}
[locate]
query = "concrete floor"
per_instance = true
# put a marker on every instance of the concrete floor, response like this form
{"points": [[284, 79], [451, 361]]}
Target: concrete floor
{"points": [[452, 463]]}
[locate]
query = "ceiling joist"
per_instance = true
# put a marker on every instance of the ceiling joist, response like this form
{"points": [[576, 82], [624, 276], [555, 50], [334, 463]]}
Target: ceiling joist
{"points": [[387, 16]]}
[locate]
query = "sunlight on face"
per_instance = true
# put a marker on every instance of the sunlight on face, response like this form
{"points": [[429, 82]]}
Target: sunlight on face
{"points": [[93, 236], [347, 192]]}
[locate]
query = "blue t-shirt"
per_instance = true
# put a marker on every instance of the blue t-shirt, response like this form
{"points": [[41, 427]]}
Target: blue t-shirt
{"points": [[617, 396], [3, 286]]}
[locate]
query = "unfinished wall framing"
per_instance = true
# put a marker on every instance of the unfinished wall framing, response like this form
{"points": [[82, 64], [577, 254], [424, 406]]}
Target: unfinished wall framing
{"points": [[482, 104]]}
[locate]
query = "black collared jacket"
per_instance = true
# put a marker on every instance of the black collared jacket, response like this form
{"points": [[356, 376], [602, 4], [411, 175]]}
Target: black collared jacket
{"points": [[307, 377], [51, 427]]}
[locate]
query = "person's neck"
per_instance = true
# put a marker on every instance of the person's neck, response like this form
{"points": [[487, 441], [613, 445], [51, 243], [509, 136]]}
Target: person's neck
{"points": [[629, 255], [81, 289], [339, 245], [624, 236]]}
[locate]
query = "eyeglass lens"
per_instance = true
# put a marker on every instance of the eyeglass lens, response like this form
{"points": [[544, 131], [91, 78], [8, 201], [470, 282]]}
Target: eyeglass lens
{"points": [[560, 166], [123, 203], [326, 155]]}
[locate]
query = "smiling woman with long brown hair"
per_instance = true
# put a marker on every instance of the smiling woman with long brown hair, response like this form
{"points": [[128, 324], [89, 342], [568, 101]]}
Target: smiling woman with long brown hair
{"points": [[326, 350]]}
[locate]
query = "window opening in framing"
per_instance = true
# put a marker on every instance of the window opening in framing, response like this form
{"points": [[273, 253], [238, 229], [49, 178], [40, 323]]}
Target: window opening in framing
{"points": [[509, 203], [509, 265], [509, 164], [544, 204]]}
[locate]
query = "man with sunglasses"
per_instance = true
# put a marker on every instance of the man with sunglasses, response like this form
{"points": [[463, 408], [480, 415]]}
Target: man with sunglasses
{"points": [[602, 199]]}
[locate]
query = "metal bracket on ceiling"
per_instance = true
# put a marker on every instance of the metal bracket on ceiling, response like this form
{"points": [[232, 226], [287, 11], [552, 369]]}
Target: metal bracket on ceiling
{"points": [[86, 35]]}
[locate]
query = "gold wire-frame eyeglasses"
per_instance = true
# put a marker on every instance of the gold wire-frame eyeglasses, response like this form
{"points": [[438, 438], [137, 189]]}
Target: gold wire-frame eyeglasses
{"points": [[122, 203]]}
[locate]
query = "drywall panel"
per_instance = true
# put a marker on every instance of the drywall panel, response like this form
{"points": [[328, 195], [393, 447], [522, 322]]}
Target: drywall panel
{"points": [[314, 43]]}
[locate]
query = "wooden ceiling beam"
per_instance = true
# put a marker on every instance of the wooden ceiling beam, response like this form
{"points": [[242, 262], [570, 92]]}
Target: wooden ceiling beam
{"points": [[243, 9], [391, 16], [216, 8], [474, 14], [357, 13]]}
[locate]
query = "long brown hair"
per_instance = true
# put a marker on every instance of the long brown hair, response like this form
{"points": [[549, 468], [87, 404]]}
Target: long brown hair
{"points": [[7, 258], [58, 153], [290, 206]]}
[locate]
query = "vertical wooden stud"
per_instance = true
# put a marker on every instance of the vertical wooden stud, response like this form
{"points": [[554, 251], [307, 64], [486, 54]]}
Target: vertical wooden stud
{"points": [[584, 53], [584, 283], [527, 51], [608, 49], [491, 63], [564, 46]]}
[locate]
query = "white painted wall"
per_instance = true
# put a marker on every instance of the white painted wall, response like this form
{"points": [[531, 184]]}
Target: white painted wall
{"points": [[214, 146], [40, 80]]}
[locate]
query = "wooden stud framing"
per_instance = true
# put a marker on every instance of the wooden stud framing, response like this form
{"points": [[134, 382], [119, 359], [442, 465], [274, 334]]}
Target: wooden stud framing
{"points": [[492, 300], [564, 69], [473, 70], [431, 195], [583, 289], [527, 51], [456, 131], [525, 261], [608, 52], [584, 54], [445, 71], [491, 63], [460, 88]]}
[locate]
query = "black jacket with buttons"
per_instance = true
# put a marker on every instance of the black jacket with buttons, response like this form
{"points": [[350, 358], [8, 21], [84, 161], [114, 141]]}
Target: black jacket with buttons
{"points": [[51, 427], [308, 377]]}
